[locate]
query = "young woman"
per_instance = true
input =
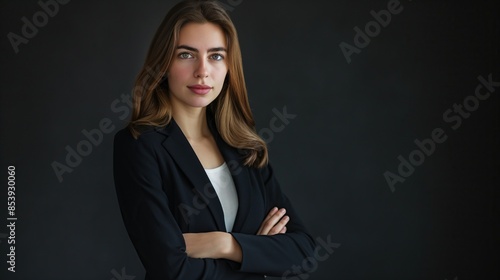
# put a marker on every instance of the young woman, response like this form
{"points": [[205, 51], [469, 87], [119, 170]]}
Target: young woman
{"points": [[197, 195]]}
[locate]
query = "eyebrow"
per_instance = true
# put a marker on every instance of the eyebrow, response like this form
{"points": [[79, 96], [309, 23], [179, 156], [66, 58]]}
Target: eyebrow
{"points": [[219, 49]]}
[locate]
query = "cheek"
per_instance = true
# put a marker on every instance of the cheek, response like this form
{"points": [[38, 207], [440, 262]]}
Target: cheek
{"points": [[220, 74], [180, 73]]}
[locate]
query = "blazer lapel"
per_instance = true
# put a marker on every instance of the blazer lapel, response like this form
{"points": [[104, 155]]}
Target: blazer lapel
{"points": [[183, 154], [241, 178]]}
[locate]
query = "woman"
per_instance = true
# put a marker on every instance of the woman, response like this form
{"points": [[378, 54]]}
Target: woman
{"points": [[197, 195]]}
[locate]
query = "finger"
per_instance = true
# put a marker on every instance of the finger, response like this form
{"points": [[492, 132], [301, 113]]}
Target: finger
{"points": [[283, 230], [275, 219], [268, 224], [273, 211], [278, 227], [270, 214]]}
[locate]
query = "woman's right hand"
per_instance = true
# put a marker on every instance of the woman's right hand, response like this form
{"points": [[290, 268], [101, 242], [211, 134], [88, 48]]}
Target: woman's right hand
{"points": [[274, 223]]}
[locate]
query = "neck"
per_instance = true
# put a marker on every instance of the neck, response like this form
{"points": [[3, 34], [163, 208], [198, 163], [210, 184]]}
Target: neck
{"points": [[192, 122]]}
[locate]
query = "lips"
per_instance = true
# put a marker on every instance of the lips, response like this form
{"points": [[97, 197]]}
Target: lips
{"points": [[200, 89]]}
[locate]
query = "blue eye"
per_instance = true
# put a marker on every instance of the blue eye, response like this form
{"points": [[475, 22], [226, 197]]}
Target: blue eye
{"points": [[185, 55], [217, 57]]}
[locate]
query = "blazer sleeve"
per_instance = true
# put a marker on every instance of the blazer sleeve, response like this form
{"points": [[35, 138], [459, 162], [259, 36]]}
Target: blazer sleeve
{"points": [[149, 222], [274, 255]]}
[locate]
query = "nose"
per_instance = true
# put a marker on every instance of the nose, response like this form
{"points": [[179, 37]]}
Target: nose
{"points": [[202, 70]]}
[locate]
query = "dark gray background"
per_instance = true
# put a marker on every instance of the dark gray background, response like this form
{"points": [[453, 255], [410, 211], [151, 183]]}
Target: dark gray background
{"points": [[353, 121]]}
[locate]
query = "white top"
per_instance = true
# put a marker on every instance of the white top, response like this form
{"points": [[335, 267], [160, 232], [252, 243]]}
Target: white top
{"points": [[221, 180]]}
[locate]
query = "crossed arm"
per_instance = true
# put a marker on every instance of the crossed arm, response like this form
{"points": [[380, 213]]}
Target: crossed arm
{"points": [[167, 253], [222, 245]]}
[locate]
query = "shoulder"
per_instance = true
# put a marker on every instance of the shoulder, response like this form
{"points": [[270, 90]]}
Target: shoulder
{"points": [[149, 139], [147, 133]]}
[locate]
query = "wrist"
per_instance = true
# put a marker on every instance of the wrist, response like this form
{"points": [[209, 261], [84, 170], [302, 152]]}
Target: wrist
{"points": [[230, 249], [224, 241]]}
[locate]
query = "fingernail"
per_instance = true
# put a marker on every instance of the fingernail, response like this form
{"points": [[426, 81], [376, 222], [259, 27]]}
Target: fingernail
{"points": [[283, 211]]}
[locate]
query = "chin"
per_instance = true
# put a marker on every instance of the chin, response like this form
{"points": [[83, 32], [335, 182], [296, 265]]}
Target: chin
{"points": [[196, 101], [201, 102]]}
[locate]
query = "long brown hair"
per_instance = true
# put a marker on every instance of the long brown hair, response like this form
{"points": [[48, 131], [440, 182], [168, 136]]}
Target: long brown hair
{"points": [[231, 109]]}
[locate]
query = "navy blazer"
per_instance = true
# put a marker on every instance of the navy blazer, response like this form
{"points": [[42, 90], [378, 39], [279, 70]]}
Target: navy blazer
{"points": [[163, 191]]}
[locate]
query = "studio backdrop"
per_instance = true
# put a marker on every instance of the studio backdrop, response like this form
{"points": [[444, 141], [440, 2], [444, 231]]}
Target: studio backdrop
{"points": [[381, 119]]}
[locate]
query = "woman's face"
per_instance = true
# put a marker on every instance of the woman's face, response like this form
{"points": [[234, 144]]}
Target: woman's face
{"points": [[199, 67]]}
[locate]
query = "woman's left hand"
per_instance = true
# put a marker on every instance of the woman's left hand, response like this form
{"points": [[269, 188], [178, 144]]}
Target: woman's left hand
{"points": [[274, 223], [222, 245]]}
